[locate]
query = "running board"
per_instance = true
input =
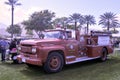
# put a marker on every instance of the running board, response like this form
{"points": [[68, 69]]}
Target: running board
{"points": [[81, 59]]}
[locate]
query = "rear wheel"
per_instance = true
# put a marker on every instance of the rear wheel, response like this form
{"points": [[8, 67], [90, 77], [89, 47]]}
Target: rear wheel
{"points": [[54, 63], [104, 55]]}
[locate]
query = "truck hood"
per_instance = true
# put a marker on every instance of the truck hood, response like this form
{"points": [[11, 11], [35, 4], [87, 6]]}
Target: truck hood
{"points": [[41, 42]]}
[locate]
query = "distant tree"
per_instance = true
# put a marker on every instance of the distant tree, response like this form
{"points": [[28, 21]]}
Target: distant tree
{"points": [[75, 18], [114, 31], [108, 20], [62, 22], [12, 3], [39, 21], [70, 26], [114, 26], [56, 22], [89, 20], [14, 30], [29, 32]]}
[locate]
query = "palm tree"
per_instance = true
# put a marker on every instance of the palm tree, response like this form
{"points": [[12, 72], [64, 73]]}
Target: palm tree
{"points": [[75, 18], [81, 22], [12, 3], [109, 20], [89, 20], [115, 25]]}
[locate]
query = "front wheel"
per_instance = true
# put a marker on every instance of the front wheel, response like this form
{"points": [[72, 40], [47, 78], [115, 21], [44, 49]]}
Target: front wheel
{"points": [[104, 55], [54, 63]]}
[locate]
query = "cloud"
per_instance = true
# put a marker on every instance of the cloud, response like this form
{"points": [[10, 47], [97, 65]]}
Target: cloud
{"points": [[5, 14], [118, 17], [20, 14]]}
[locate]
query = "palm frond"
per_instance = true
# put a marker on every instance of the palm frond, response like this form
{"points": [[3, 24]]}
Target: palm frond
{"points": [[108, 20]]}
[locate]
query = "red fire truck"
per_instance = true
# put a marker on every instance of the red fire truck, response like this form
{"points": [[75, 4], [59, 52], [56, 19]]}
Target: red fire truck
{"points": [[61, 47]]}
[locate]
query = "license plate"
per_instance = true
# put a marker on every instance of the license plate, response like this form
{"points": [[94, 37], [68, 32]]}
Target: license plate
{"points": [[23, 60]]}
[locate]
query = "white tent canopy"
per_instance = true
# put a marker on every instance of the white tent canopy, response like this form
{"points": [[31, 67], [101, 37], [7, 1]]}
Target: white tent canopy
{"points": [[116, 35]]}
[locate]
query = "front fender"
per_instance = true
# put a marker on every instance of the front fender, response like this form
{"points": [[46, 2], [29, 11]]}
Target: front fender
{"points": [[45, 51]]}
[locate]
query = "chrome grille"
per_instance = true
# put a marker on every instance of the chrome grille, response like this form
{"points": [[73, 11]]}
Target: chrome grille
{"points": [[26, 49]]}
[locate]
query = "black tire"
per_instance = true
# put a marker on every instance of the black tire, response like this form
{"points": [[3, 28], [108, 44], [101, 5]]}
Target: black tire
{"points": [[104, 55], [54, 63]]}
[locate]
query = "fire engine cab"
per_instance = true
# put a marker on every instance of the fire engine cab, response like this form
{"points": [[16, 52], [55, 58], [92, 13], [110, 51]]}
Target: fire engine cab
{"points": [[61, 47]]}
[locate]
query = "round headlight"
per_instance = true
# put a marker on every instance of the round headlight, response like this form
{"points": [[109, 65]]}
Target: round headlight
{"points": [[34, 50]]}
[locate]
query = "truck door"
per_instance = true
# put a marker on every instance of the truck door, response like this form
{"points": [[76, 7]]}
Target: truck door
{"points": [[71, 46], [82, 46]]}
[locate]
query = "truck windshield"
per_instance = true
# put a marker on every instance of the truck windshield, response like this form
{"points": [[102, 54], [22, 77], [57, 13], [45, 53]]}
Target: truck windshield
{"points": [[54, 34]]}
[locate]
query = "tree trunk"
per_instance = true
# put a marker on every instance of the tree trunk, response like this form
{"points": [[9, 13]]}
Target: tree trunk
{"points": [[87, 28], [41, 36], [76, 30], [114, 29], [108, 26], [12, 18], [75, 25]]}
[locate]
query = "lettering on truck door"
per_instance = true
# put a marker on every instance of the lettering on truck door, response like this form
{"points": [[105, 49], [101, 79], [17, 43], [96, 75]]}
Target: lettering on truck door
{"points": [[103, 40], [72, 48]]}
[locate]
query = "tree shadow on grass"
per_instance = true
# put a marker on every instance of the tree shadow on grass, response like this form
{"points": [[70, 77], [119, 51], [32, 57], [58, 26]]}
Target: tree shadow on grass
{"points": [[72, 70], [92, 63], [69, 72], [33, 71]]}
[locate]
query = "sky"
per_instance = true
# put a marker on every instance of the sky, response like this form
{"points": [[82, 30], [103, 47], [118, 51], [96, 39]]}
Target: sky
{"points": [[62, 8]]}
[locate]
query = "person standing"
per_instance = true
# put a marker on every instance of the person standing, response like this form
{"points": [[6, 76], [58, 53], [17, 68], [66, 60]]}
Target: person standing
{"points": [[13, 50], [3, 46]]}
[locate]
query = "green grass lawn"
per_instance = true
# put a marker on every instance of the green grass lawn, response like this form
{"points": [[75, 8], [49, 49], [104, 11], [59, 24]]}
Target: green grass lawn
{"points": [[88, 70]]}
